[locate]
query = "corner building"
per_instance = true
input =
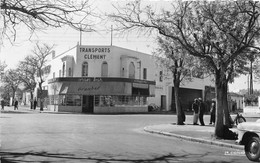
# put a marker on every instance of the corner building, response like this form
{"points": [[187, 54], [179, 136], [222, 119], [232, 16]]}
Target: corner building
{"points": [[111, 79]]}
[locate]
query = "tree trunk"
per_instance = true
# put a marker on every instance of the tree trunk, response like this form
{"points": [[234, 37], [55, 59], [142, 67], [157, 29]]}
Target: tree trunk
{"points": [[222, 105], [225, 107], [13, 97], [177, 104], [41, 98], [31, 100]]}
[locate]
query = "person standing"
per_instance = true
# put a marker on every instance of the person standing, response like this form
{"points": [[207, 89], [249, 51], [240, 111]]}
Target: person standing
{"points": [[16, 105], [201, 112], [34, 104], [2, 104], [212, 112], [195, 108]]}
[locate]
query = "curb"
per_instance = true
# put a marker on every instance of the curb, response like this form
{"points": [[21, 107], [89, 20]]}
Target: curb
{"points": [[210, 142]]}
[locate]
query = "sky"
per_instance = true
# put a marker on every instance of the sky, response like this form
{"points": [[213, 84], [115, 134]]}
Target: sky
{"points": [[66, 38]]}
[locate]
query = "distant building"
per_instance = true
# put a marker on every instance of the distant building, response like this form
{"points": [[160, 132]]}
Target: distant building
{"points": [[111, 79], [236, 101]]}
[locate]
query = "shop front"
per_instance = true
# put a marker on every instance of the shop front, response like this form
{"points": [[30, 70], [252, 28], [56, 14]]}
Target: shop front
{"points": [[99, 95]]}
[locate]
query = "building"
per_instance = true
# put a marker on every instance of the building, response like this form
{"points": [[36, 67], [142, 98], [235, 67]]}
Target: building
{"points": [[235, 101], [111, 79]]}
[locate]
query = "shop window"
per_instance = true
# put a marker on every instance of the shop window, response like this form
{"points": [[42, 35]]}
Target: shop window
{"points": [[104, 69], [112, 101], [65, 100], [145, 73], [85, 69], [132, 70]]}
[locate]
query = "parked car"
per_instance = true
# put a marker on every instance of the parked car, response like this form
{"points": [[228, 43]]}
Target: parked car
{"points": [[249, 136]]}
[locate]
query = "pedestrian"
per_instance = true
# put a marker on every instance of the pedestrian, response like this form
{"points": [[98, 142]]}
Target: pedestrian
{"points": [[2, 104], [201, 111], [212, 112], [34, 104], [16, 105], [195, 109], [183, 116]]}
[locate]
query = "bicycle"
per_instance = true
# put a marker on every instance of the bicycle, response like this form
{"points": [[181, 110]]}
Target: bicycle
{"points": [[239, 119]]}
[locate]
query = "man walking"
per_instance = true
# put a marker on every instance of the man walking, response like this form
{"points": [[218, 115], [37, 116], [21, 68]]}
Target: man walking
{"points": [[212, 112], [16, 105], [2, 104], [195, 109], [201, 111]]}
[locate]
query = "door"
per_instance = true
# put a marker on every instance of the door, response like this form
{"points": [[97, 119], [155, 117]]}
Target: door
{"points": [[88, 104], [163, 102]]}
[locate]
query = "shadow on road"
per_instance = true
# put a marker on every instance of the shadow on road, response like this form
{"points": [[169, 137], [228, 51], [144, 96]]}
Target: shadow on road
{"points": [[15, 157]]}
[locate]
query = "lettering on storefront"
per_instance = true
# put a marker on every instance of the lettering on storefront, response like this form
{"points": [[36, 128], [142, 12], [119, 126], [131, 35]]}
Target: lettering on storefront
{"points": [[94, 53], [92, 88], [92, 56], [95, 50], [90, 80]]}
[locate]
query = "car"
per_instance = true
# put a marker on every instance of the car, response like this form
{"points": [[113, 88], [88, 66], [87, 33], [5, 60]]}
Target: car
{"points": [[249, 136]]}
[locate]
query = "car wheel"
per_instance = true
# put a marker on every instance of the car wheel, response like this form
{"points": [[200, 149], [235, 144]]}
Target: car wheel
{"points": [[252, 149]]}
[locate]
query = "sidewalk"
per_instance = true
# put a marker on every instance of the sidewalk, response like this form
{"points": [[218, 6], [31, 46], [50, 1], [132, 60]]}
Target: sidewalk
{"points": [[201, 134], [21, 109]]}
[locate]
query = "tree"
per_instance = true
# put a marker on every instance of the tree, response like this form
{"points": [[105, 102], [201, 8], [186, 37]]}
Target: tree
{"points": [[39, 61], [11, 81], [219, 33], [27, 75], [40, 14], [176, 59]]}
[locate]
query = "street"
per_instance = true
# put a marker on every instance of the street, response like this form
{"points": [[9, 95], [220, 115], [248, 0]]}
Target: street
{"points": [[44, 137]]}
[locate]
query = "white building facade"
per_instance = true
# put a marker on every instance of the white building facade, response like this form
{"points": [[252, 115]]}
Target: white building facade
{"points": [[111, 79]]}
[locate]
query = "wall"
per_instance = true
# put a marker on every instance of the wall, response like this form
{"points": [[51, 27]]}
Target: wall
{"points": [[56, 108]]}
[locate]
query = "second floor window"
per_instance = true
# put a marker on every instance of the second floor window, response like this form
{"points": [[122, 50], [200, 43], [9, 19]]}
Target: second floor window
{"points": [[85, 69], [132, 70], [70, 73], [145, 73], [104, 69], [63, 69], [161, 76]]}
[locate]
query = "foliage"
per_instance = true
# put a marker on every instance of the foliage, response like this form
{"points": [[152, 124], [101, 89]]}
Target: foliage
{"points": [[11, 81], [176, 59], [40, 14], [27, 73]]}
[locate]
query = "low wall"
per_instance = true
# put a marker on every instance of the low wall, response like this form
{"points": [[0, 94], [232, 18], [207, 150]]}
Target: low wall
{"points": [[60, 108], [121, 109], [251, 109]]}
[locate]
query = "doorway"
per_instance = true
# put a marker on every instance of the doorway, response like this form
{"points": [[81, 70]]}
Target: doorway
{"points": [[88, 104], [163, 102]]}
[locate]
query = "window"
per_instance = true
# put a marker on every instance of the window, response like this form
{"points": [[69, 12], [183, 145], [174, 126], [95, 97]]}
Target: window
{"points": [[104, 69], [132, 70], [85, 69], [70, 73], [53, 75], [145, 73], [63, 69], [161, 76]]}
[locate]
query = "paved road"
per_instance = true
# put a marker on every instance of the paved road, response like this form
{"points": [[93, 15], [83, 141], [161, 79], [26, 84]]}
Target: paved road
{"points": [[41, 137]]}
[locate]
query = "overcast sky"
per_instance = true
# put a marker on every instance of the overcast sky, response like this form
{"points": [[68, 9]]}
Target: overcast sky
{"points": [[65, 38]]}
